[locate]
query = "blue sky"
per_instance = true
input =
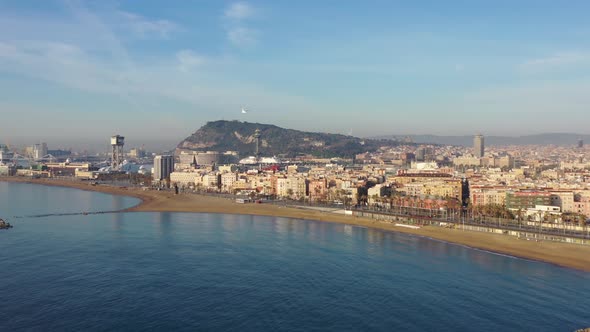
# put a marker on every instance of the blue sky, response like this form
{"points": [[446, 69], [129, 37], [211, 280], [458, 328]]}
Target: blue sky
{"points": [[73, 72]]}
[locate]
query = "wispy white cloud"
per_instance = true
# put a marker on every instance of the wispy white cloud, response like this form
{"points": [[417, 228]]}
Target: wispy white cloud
{"points": [[144, 27], [239, 11], [238, 33], [81, 50], [71, 66], [62, 63], [90, 23], [105, 65]]}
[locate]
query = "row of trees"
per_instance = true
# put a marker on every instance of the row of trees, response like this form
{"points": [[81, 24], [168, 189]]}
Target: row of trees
{"points": [[500, 211], [133, 178], [493, 211]]}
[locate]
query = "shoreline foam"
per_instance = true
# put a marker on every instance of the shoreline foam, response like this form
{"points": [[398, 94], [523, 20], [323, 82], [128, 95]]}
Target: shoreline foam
{"points": [[560, 254]]}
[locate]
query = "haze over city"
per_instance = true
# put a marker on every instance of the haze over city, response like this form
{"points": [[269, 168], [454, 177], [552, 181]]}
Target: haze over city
{"points": [[158, 71]]}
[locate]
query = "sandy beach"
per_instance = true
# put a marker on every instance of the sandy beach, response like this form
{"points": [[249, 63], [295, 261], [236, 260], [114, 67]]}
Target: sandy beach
{"points": [[562, 254]]}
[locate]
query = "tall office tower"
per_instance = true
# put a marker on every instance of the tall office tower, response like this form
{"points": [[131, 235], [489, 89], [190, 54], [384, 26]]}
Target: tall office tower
{"points": [[478, 145], [163, 166], [420, 153], [580, 143]]}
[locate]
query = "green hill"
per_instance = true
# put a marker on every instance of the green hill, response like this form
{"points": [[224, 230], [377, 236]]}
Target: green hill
{"points": [[239, 136]]}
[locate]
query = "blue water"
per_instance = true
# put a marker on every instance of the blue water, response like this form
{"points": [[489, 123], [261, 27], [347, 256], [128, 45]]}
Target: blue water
{"points": [[175, 271]]}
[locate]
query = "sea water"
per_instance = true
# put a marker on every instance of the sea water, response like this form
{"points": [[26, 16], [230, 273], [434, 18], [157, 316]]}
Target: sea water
{"points": [[223, 272]]}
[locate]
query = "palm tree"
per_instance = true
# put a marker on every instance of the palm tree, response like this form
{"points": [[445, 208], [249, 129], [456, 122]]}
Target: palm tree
{"points": [[519, 214], [252, 194], [387, 201], [317, 191], [363, 199], [375, 199], [347, 201]]}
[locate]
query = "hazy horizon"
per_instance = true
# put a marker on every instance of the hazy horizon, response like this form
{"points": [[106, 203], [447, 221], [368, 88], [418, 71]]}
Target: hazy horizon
{"points": [[103, 144], [76, 71]]}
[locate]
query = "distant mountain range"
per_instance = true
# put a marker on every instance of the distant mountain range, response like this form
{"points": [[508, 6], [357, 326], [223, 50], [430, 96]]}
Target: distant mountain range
{"points": [[274, 141], [539, 139]]}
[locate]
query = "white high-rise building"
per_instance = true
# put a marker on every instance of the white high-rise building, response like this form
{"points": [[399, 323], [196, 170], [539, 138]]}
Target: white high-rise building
{"points": [[163, 166]]}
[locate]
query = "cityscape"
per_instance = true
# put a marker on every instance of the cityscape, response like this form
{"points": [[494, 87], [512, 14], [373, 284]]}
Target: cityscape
{"points": [[544, 186], [257, 165]]}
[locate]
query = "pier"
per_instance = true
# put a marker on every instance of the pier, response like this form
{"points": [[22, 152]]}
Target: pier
{"points": [[67, 214]]}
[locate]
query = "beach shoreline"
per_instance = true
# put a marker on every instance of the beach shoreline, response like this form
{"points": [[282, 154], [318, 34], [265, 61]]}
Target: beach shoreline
{"points": [[556, 253]]}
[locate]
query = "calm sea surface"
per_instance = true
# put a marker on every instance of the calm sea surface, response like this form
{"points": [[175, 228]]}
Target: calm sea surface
{"points": [[174, 271]]}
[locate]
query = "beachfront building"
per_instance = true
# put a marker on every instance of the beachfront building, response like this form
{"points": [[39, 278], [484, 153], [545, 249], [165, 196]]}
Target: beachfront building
{"points": [[411, 189], [522, 200], [7, 170], [185, 178], [208, 181], [429, 185], [241, 185], [318, 190], [163, 166], [86, 175], [548, 213], [66, 168], [374, 193], [228, 180], [290, 187], [563, 199], [282, 187], [297, 185], [582, 206], [486, 195]]}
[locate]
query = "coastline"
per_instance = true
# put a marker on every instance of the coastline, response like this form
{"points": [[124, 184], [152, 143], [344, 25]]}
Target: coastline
{"points": [[560, 254]]}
